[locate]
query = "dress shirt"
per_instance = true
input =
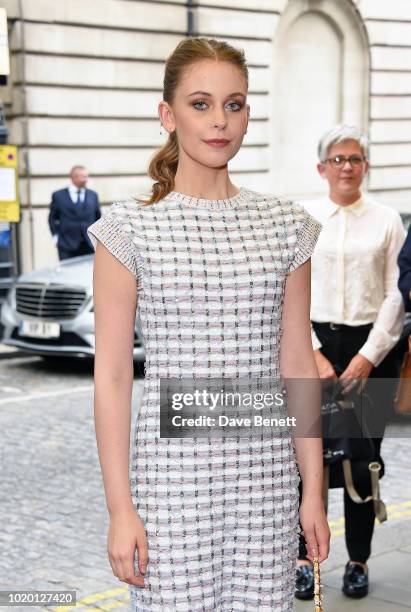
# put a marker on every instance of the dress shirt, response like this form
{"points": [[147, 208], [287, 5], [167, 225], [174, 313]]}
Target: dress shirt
{"points": [[73, 191], [355, 273]]}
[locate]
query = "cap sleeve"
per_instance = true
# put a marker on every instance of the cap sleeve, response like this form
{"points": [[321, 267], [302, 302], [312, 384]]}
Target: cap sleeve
{"points": [[304, 232], [115, 230]]}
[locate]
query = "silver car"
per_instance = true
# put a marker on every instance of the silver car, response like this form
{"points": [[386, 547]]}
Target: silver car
{"points": [[49, 312]]}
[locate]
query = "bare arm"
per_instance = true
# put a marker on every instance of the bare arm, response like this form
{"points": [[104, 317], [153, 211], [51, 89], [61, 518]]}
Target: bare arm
{"points": [[115, 304], [297, 362]]}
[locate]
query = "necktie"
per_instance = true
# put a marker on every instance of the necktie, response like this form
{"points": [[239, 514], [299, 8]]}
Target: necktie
{"points": [[78, 196]]}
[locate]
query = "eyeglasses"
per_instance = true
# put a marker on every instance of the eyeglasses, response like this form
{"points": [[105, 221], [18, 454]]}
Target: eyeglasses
{"points": [[339, 160]]}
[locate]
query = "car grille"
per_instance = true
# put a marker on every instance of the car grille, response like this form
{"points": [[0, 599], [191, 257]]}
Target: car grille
{"points": [[54, 302]]}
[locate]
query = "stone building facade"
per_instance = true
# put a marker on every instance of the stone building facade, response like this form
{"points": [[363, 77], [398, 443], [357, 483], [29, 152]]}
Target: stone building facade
{"points": [[86, 80]]}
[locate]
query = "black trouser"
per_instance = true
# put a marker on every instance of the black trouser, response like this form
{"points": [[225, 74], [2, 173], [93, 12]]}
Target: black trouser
{"points": [[339, 346], [82, 249]]}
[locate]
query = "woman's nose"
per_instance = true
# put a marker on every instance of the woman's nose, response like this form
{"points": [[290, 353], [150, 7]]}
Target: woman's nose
{"points": [[350, 165], [219, 119]]}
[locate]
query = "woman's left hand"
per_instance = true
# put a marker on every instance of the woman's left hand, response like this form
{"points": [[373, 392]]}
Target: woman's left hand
{"points": [[315, 528], [356, 373]]}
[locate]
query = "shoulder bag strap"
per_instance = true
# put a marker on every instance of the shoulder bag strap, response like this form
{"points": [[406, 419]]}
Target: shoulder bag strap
{"points": [[379, 506]]}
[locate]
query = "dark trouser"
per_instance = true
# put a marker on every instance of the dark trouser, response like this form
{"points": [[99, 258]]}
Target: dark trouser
{"points": [[339, 346], [82, 249]]}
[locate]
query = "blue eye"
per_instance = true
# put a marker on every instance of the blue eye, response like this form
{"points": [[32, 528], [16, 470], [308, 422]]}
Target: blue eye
{"points": [[237, 104], [202, 102]]}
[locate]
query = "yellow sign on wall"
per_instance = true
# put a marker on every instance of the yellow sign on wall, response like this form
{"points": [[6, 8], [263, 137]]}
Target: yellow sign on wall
{"points": [[9, 198]]}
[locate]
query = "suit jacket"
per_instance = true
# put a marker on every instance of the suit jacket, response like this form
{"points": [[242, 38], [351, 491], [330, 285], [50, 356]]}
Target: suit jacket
{"points": [[404, 263], [70, 221]]}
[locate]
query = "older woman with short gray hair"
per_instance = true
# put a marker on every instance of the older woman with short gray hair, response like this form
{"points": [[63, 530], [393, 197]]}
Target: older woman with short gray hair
{"points": [[357, 313]]}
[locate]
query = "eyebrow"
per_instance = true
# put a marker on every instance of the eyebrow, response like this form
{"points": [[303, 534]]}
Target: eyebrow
{"points": [[205, 93]]}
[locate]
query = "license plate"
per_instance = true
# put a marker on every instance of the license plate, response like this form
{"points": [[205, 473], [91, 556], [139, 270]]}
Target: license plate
{"points": [[39, 329]]}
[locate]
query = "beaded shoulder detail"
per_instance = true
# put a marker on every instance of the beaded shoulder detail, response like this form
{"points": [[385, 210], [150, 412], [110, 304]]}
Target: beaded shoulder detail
{"points": [[115, 231]]}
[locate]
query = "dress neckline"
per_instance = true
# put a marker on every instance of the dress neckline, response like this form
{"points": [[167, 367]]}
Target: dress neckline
{"points": [[194, 202]]}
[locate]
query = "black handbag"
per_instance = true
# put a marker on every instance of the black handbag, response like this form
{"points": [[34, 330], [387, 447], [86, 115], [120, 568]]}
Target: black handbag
{"points": [[349, 454]]}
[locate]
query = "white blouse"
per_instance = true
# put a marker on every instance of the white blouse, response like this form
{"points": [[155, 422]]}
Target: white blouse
{"points": [[355, 273]]}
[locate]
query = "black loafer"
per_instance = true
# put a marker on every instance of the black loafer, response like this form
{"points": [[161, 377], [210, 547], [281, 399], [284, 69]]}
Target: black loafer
{"points": [[355, 581], [304, 582]]}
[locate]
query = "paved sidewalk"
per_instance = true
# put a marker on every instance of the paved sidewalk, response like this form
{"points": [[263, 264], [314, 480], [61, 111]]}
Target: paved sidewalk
{"points": [[390, 575]]}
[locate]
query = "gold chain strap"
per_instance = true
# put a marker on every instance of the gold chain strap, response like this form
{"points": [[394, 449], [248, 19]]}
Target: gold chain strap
{"points": [[318, 598]]}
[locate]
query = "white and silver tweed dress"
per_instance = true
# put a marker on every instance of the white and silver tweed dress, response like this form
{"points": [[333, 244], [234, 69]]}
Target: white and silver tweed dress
{"points": [[221, 515]]}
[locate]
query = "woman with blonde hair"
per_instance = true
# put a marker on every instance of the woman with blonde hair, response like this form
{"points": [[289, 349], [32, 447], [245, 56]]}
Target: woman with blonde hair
{"points": [[220, 275]]}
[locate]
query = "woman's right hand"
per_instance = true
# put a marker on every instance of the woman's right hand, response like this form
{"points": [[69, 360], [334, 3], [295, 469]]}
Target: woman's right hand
{"points": [[126, 533], [324, 367]]}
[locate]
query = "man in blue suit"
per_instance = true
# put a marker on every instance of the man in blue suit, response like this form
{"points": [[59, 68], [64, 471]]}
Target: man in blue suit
{"points": [[72, 210]]}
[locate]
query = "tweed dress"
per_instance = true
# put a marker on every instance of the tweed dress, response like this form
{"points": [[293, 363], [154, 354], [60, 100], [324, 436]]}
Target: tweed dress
{"points": [[221, 515]]}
